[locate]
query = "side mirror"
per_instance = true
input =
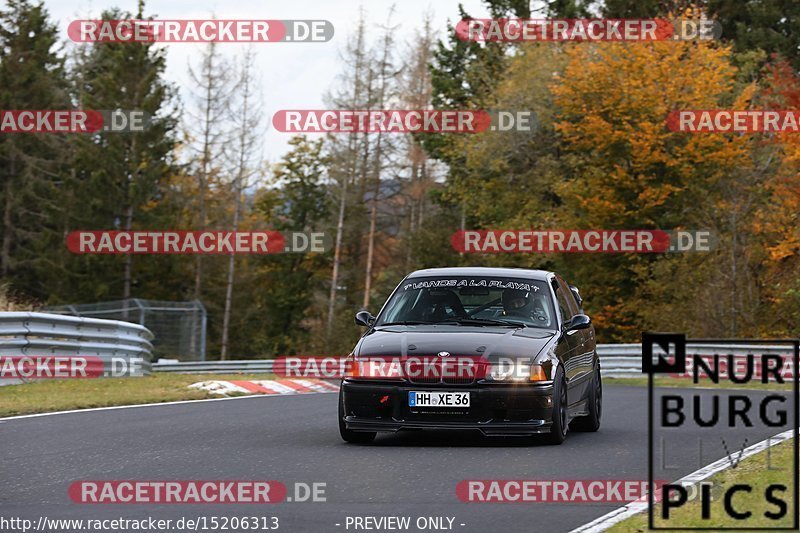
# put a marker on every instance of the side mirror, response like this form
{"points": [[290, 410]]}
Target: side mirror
{"points": [[364, 318], [578, 322]]}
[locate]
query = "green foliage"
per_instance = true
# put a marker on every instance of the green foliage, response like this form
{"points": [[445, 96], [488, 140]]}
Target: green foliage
{"points": [[32, 76], [118, 177], [288, 282], [769, 25]]}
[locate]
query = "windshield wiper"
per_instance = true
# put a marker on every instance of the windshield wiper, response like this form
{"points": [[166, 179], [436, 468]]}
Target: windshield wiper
{"points": [[484, 322], [407, 323]]}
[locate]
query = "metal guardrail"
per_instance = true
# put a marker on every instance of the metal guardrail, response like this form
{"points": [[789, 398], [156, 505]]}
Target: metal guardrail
{"points": [[616, 360], [62, 335], [254, 366], [625, 360]]}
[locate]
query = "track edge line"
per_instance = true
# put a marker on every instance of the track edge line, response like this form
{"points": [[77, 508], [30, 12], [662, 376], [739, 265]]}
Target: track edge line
{"points": [[633, 508]]}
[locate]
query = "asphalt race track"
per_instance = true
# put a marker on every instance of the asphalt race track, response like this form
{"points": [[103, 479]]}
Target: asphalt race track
{"points": [[295, 439]]}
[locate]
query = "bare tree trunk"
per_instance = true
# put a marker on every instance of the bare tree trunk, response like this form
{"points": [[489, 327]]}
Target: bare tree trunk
{"points": [[202, 186], [357, 50], [421, 204], [8, 224], [416, 94], [383, 88], [411, 222], [128, 273], [213, 79], [226, 317], [249, 121], [128, 269], [337, 257], [463, 224], [373, 216]]}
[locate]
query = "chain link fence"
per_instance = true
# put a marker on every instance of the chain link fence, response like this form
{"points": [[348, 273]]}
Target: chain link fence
{"points": [[179, 327]]}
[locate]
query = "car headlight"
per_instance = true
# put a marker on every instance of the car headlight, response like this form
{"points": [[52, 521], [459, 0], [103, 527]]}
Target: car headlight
{"points": [[513, 370], [350, 367], [372, 368]]}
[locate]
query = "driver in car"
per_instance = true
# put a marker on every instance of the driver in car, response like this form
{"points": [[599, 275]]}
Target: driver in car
{"points": [[520, 303]]}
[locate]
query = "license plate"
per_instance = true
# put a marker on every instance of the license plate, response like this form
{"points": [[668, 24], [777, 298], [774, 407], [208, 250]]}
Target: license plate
{"points": [[438, 399]]}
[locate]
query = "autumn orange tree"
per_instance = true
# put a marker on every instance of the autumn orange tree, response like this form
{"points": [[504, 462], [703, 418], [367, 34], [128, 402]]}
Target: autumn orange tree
{"points": [[630, 171], [777, 219]]}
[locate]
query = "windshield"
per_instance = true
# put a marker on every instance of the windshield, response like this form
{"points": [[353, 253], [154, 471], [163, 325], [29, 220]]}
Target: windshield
{"points": [[470, 300]]}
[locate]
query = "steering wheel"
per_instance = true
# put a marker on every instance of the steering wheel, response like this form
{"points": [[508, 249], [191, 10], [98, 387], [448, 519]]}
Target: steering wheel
{"points": [[483, 307], [446, 299], [539, 312]]}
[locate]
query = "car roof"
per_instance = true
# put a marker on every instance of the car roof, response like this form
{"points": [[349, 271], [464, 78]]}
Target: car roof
{"points": [[540, 275]]}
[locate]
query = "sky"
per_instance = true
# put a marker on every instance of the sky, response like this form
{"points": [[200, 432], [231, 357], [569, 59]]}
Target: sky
{"points": [[291, 75]]}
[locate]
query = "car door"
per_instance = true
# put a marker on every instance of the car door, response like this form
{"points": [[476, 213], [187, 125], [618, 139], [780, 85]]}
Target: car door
{"points": [[569, 340], [583, 342]]}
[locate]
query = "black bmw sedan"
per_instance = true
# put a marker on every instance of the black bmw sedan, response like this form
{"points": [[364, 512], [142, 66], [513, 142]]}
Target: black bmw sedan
{"points": [[499, 350]]}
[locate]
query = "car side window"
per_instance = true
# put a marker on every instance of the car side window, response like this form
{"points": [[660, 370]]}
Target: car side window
{"points": [[563, 305], [569, 296]]}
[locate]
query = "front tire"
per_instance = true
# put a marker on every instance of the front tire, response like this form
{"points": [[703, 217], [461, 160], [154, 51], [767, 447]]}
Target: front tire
{"points": [[348, 435], [560, 424], [591, 422]]}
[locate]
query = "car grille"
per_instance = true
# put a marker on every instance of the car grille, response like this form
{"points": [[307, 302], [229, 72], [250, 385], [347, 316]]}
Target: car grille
{"points": [[444, 380], [424, 380], [458, 380]]}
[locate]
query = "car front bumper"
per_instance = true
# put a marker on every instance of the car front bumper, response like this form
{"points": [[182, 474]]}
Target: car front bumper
{"points": [[495, 409]]}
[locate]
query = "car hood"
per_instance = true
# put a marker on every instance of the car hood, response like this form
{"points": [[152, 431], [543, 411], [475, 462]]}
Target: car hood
{"points": [[461, 341]]}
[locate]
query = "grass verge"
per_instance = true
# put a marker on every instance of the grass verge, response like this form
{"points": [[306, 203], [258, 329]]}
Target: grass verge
{"points": [[42, 396], [668, 381], [759, 471]]}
